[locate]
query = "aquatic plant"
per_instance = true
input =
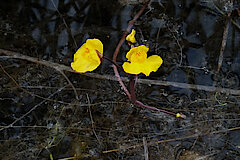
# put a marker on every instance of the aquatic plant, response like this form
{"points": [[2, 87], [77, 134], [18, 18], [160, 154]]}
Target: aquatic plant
{"points": [[89, 56]]}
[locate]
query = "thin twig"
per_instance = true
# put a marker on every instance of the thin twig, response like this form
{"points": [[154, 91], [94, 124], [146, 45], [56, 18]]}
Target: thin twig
{"points": [[145, 148], [22, 88], [122, 148], [179, 45], [74, 89], [90, 113], [62, 67], [224, 41], [18, 119], [76, 157], [65, 23], [190, 86], [223, 13]]}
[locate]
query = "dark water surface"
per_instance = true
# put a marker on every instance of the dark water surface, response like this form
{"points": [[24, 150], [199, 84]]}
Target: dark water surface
{"points": [[188, 36]]}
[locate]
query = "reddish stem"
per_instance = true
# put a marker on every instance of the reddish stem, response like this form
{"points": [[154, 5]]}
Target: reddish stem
{"points": [[132, 89], [134, 100], [121, 82], [154, 108], [119, 46], [132, 96], [112, 62], [128, 30]]}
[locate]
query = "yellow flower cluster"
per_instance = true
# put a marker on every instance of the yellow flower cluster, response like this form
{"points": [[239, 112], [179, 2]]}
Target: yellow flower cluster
{"points": [[88, 57]]}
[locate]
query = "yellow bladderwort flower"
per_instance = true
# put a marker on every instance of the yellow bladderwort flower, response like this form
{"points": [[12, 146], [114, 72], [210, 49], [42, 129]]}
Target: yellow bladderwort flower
{"points": [[131, 37], [178, 115], [88, 56], [140, 63]]}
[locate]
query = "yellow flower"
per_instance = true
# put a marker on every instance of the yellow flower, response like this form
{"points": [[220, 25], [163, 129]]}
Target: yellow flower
{"points": [[139, 63], [131, 37], [87, 57], [178, 115]]}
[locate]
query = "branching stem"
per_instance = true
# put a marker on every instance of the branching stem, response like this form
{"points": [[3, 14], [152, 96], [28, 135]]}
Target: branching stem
{"points": [[132, 95]]}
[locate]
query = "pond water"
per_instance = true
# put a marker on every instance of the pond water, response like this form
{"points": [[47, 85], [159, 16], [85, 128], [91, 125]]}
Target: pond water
{"points": [[45, 120]]}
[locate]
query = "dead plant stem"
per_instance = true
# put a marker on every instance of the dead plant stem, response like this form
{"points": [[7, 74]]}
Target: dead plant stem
{"points": [[224, 41], [57, 66], [65, 23], [171, 140], [145, 148], [90, 114], [70, 83]]}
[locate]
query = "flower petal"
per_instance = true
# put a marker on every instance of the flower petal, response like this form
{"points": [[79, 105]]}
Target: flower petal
{"points": [[84, 65], [131, 37], [132, 68], [95, 44], [154, 62], [79, 52], [151, 64], [137, 51], [146, 69], [86, 58]]}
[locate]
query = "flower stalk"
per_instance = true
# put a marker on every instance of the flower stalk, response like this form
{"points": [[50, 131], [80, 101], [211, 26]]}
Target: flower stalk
{"points": [[90, 55], [108, 59], [133, 99], [132, 89]]}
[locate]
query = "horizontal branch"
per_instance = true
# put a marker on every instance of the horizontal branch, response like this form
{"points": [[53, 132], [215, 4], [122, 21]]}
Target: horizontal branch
{"points": [[15, 55]]}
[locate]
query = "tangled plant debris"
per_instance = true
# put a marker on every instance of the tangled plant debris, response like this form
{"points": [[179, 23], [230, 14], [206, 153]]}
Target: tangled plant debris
{"points": [[49, 111]]}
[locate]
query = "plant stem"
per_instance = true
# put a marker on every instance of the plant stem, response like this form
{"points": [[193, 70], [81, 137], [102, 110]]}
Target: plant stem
{"points": [[134, 100], [131, 95], [132, 89], [111, 61], [154, 108]]}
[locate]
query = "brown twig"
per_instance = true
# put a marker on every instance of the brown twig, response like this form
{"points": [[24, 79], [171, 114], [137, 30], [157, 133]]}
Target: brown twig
{"points": [[70, 83], [145, 148], [90, 114], [65, 23], [224, 41], [15, 55], [171, 140], [223, 13]]}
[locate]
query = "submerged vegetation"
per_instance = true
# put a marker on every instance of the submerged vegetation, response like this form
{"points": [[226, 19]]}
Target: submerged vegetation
{"points": [[49, 111]]}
